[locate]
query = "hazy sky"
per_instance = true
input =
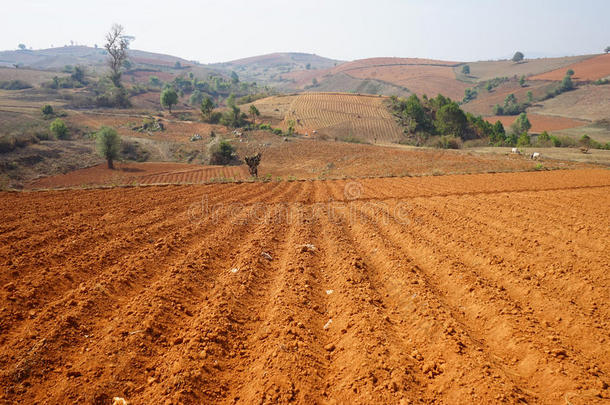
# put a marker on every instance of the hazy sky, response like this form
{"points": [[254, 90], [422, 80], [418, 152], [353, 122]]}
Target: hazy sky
{"points": [[218, 31]]}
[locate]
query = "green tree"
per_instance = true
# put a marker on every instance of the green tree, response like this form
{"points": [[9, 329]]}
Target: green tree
{"points": [[530, 96], [234, 77], [169, 97], [451, 120], [59, 129], [498, 133], [78, 74], [524, 140], [108, 144], [207, 106], [22, 47], [116, 46], [466, 69], [222, 153], [155, 81], [570, 72], [518, 57], [47, 110], [607, 49], [489, 87], [522, 81], [566, 83], [196, 98], [522, 124], [254, 113]]}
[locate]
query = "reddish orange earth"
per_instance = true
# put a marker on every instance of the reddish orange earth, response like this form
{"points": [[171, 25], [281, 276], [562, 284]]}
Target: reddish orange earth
{"points": [[141, 173], [589, 69], [484, 288]]}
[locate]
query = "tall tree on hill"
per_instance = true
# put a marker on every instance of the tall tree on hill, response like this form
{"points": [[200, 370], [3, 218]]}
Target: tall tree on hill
{"points": [[607, 49], [207, 105], [254, 113], [518, 57], [116, 46], [169, 97]]}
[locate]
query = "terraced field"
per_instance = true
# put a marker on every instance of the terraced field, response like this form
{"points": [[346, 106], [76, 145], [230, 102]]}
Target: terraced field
{"points": [[344, 115], [590, 69], [445, 289]]}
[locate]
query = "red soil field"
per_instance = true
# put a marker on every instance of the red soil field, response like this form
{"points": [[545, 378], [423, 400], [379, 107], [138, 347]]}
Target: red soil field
{"points": [[421, 76], [484, 288], [539, 122], [590, 69], [141, 173]]}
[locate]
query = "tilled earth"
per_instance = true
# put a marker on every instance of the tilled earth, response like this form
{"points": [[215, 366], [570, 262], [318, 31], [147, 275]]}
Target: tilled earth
{"points": [[481, 288]]}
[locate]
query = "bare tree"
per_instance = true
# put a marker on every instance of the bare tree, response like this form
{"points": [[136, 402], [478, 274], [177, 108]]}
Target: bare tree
{"points": [[116, 45]]}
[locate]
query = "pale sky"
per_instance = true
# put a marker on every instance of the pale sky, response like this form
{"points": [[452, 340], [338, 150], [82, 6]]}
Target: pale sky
{"points": [[219, 31]]}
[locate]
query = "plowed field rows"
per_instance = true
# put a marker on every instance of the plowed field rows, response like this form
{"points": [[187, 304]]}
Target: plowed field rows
{"points": [[478, 288], [590, 69], [344, 115]]}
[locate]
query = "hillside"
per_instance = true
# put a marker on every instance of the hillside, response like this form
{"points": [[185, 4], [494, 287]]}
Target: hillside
{"points": [[270, 69], [406, 75]]}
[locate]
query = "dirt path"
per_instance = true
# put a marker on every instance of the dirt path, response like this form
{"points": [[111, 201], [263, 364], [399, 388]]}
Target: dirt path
{"points": [[477, 288]]}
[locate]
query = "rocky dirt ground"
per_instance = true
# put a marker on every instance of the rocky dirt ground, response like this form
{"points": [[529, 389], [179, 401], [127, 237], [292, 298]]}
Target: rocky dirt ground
{"points": [[481, 288]]}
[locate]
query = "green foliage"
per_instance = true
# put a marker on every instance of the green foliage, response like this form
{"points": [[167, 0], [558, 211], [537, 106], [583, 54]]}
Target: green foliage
{"points": [[277, 131], [607, 49], [196, 98], [108, 144], [511, 106], [524, 140], [169, 97], [426, 118], [544, 137], [78, 74], [469, 95], [234, 77], [518, 57], [222, 153], [522, 81], [47, 110], [59, 129], [530, 97], [21, 47], [155, 81], [450, 120], [207, 106], [567, 84], [585, 141], [254, 113], [521, 125], [570, 72], [14, 85], [466, 69]]}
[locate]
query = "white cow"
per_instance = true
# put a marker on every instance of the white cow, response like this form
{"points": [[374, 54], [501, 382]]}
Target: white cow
{"points": [[535, 156], [515, 150]]}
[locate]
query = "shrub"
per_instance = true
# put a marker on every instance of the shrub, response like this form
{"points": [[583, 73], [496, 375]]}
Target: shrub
{"points": [[59, 129], [222, 153], [14, 85], [466, 69], [47, 110], [277, 131], [518, 57], [7, 143]]}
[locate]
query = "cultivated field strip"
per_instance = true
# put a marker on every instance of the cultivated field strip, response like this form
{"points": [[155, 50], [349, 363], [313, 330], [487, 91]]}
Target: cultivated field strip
{"points": [[344, 115], [479, 288]]}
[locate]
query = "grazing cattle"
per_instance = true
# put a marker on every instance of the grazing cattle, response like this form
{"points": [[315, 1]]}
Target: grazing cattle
{"points": [[515, 150], [535, 156]]}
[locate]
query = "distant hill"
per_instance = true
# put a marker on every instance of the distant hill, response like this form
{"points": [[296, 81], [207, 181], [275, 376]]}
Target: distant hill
{"points": [[270, 69]]}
